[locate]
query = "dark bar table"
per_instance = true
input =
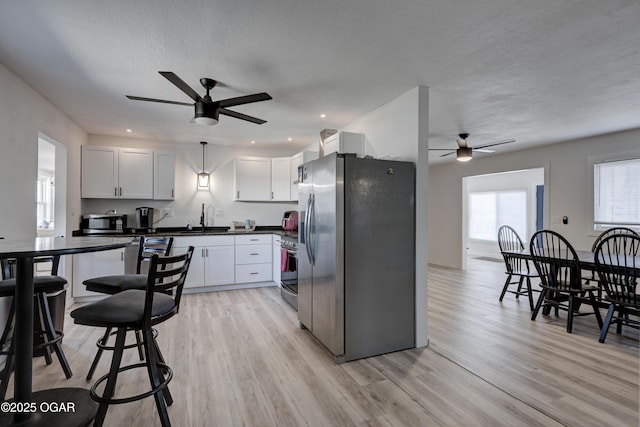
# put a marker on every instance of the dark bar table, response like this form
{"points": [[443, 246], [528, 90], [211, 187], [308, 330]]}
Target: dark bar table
{"points": [[69, 406]]}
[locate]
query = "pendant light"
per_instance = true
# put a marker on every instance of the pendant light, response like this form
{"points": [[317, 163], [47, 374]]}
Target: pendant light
{"points": [[203, 177]]}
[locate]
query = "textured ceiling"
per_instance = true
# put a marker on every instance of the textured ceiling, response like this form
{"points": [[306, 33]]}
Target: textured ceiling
{"points": [[539, 72]]}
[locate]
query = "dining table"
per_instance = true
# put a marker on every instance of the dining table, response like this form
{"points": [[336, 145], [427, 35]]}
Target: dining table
{"points": [[68, 406]]}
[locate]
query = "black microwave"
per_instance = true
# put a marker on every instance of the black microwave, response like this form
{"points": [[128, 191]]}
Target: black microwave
{"points": [[103, 223]]}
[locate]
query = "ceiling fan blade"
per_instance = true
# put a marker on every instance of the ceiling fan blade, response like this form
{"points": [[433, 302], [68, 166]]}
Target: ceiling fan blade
{"points": [[181, 85], [475, 150], [241, 116], [492, 144], [447, 154], [442, 149], [164, 101], [256, 97]]}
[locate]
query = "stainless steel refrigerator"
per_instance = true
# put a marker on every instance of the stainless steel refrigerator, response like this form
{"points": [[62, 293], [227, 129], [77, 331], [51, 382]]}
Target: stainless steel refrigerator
{"points": [[356, 254]]}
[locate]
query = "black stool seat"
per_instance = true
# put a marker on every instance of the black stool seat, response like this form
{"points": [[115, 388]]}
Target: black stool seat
{"points": [[48, 284], [122, 310], [114, 284]]}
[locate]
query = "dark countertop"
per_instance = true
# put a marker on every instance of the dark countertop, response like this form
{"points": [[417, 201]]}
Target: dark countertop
{"points": [[196, 231]]}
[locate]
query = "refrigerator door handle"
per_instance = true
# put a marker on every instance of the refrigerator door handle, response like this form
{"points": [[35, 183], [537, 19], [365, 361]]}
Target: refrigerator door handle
{"points": [[306, 229], [311, 229]]}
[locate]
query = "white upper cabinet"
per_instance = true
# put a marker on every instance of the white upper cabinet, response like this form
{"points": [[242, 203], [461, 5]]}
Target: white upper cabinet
{"points": [[164, 174], [345, 142], [127, 173], [281, 179], [135, 173], [99, 172], [252, 178]]}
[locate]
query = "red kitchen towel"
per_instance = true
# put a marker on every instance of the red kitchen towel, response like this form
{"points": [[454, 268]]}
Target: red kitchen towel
{"points": [[284, 260]]}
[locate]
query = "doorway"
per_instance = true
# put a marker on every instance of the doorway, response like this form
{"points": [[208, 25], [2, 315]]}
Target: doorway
{"points": [[51, 182], [514, 198], [51, 194]]}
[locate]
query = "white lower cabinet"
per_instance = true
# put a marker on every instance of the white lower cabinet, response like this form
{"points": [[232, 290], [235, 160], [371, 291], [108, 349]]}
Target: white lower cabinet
{"points": [[213, 261], [253, 258], [95, 264]]}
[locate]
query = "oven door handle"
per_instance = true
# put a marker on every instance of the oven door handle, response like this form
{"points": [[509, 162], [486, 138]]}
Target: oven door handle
{"points": [[286, 290]]}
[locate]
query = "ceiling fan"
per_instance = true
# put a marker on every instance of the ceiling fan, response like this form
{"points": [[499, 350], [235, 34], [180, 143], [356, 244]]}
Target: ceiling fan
{"points": [[464, 152], [207, 110]]}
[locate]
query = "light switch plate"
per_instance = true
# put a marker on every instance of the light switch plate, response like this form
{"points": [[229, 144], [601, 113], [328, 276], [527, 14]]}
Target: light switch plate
{"points": [[219, 213], [167, 212]]}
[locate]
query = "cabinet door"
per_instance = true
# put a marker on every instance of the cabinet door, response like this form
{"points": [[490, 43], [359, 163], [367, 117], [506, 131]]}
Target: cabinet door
{"points": [[195, 275], [252, 178], [95, 264], [280, 179], [164, 175], [99, 172], [135, 173], [220, 267]]}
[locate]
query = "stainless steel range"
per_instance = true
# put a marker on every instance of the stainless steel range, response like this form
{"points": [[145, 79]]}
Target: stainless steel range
{"points": [[289, 269]]}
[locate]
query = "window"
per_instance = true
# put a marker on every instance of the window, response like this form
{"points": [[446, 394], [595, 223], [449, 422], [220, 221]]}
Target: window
{"points": [[491, 209], [44, 202], [617, 194]]}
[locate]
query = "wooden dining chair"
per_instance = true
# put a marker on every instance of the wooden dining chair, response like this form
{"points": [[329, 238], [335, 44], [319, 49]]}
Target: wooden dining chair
{"points": [[517, 269], [559, 269], [592, 276], [617, 260]]}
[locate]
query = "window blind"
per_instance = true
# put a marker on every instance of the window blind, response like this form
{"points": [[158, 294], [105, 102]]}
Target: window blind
{"points": [[617, 193]]}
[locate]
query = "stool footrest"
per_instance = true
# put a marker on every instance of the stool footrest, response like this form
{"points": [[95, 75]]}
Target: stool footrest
{"points": [[166, 371]]}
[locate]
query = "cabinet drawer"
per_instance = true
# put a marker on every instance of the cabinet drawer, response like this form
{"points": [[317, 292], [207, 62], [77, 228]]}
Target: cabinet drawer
{"points": [[253, 273], [253, 254], [253, 239]]}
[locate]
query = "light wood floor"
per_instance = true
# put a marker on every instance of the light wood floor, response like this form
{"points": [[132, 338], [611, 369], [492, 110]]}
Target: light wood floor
{"points": [[240, 358]]}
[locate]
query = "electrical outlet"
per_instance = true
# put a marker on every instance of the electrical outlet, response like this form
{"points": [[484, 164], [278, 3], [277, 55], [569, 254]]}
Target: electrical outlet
{"points": [[167, 212], [219, 213]]}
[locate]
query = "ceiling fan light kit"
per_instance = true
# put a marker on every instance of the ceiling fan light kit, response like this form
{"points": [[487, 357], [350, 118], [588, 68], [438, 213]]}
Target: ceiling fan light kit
{"points": [[206, 114], [464, 154]]}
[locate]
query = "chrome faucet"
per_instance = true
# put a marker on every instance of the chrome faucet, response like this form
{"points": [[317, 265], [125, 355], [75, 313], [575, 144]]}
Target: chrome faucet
{"points": [[202, 218]]}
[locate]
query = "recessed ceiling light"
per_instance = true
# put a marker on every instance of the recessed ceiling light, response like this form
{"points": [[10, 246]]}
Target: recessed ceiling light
{"points": [[129, 131], [253, 142], [323, 115], [289, 139]]}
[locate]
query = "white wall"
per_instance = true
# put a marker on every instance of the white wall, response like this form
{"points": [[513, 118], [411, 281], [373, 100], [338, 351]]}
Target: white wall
{"points": [[568, 185], [188, 202], [23, 114], [399, 130]]}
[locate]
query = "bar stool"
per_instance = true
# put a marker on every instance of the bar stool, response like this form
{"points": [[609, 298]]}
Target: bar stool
{"points": [[51, 338], [139, 310], [111, 285]]}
